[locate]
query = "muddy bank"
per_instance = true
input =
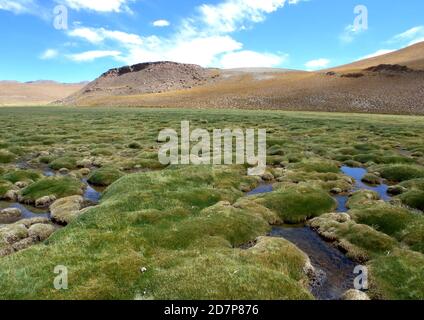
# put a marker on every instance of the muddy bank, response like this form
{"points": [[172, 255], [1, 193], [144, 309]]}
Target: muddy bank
{"points": [[334, 271]]}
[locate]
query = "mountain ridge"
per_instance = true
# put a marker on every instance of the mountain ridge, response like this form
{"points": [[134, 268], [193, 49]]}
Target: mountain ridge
{"points": [[391, 83]]}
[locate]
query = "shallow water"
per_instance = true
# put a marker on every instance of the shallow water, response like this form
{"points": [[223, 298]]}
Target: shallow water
{"points": [[263, 188], [335, 268], [358, 174], [28, 212], [341, 203], [92, 194]]}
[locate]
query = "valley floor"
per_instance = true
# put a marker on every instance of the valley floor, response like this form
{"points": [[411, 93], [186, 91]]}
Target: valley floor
{"points": [[193, 232]]}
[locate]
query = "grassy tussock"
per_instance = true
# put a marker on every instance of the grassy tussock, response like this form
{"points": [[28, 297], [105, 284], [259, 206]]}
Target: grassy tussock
{"points": [[189, 246]]}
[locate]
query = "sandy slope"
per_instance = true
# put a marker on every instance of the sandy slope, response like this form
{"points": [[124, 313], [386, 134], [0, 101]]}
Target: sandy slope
{"points": [[35, 93], [412, 57], [348, 88]]}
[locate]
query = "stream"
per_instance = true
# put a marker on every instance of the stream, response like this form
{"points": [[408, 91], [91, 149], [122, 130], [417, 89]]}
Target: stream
{"points": [[335, 270], [357, 174], [91, 194]]}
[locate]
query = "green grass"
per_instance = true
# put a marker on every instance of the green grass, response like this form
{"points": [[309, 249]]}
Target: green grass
{"points": [[104, 176], [413, 199], [385, 218], [6, 156], [63, 162], [361, 242], [362, 198], [321, 166], [189, 251], [399, 173], [398, 276], [58, 186], [185, 224], [21, 175], [4, 187], [371, 179], [414, 184], [298, 204]]}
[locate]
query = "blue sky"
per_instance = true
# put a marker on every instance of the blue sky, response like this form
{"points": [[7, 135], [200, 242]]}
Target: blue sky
{"points": [[77, 40]]}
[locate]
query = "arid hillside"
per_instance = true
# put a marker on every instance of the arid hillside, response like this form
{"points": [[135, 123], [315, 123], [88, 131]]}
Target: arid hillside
{"points": [[392, 83], [34, 93], [412, 56]]}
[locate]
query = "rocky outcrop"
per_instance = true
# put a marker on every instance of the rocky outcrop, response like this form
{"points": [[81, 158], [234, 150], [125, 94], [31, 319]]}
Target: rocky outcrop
{"points": [[63, 211], [44, 202], [11, 195], [9, 215], [143, 78], [355, 295], [23, 234], [40, 231], [389, 68]]}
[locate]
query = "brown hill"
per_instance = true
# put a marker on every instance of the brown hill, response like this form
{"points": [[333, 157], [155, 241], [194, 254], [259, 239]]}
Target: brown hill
{"points": [[35, 93], [412, 57], [393, 83]]}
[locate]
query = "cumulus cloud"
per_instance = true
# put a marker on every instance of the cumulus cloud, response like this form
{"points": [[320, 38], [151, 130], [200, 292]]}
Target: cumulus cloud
{"points": [[377, 53], [24, 7], [407, 38], [89, 56], [410, 36], [161, 23], [98, 5], [231, 15], [98, 35], [15, 6], [201, 50], [252, 59], [38, 8], [317, 64], [49, 54], [204, 38], [350, 33]]}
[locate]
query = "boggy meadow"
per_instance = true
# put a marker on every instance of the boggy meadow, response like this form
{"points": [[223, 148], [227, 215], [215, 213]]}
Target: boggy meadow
{"points": [[192, 229], [200, 153]]}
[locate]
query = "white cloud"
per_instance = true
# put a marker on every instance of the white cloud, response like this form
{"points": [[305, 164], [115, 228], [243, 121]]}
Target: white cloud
{"points": [[377, 53], [415, 41], [15, 6], [99, 35], [202, 50], [49, 54], [350, 33], [98, 5], [252, 59], [93, 55], [23, 7], [161, 23], [410, 36], [317, 64], [230, 15], [88, 34], [203, 39]]}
